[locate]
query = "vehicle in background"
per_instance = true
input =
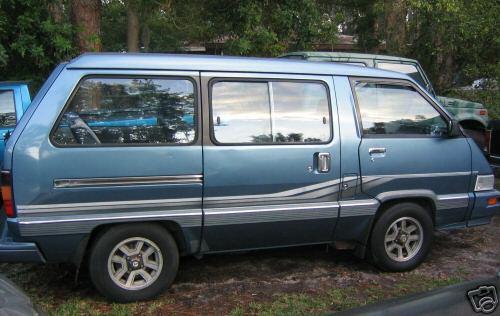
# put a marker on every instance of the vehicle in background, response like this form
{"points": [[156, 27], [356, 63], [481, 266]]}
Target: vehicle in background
{"points": [[132, 160], [472, 116], [14, 101]]}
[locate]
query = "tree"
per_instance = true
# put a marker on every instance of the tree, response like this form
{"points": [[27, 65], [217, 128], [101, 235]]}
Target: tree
{"points": [[86, 18], [395, 26], [32, 39], [268, 28], [133, 26]]}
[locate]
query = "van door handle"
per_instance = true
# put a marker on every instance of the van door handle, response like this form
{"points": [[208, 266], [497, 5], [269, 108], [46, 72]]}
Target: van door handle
{"points": [[374, 151], [324, 162]]}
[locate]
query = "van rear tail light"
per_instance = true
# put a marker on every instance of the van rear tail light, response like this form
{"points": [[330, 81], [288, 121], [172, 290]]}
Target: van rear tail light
{"points": [[8, 202], [483, 112]]}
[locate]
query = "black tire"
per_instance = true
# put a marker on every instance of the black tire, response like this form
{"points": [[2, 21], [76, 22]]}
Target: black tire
{"points": [[106, 243], [398, 212]]}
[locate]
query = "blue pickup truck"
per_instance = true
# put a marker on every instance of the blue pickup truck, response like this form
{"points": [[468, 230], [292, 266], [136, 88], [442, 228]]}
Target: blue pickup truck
{"points": [[14, 101]]}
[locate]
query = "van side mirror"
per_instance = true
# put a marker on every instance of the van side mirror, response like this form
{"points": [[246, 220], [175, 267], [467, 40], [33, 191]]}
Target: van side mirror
{"points": [[454, 129]]}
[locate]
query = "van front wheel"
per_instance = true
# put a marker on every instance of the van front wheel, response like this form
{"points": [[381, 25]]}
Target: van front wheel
{"points": [[402, 237], [133, 262]]}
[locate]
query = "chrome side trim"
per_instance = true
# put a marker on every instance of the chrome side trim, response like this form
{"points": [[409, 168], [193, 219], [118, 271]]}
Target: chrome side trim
{"points": [[270, 213], [120, 181], [449, 201], [366, 207]]}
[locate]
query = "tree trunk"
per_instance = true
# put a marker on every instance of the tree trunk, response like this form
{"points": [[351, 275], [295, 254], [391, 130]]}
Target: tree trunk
{"points": [[146, 37], [133, 28], [395, 26], [86, 17], [56, 10]]}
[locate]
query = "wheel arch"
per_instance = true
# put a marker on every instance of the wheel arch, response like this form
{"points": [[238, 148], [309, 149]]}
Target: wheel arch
{"points": [[472, 124], [170, 226], [424, 198]]}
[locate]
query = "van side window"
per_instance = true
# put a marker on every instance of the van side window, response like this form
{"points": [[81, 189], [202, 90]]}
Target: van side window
{"points": [[396, 110], [7, 108], [410, 70], [270, 112], [112, 110]]}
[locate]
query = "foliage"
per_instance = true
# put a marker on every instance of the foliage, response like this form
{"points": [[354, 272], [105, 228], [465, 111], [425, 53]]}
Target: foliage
{"points": [[31, 42], [456, 41], [269, 28]]}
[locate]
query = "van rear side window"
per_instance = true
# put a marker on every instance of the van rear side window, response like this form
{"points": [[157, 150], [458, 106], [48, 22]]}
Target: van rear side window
{"points": [[114, 111], [270, 112]]}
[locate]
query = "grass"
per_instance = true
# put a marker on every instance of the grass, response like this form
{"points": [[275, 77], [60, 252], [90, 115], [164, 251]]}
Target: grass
{"points": [[338, 299], [44, 285]]}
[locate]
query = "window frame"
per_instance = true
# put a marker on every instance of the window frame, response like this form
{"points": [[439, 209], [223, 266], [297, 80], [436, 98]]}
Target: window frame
{"points": [[403, 82], [15, 106], [127, 76], [215, 80]]}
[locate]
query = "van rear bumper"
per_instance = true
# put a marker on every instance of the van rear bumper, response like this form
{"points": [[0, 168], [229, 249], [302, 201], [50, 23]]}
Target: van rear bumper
{"points": [[20, 252], [482, 212], [11, 251]]}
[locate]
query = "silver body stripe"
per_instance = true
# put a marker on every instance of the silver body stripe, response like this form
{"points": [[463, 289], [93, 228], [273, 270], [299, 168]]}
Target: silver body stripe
{"points": [[418, 175], [45, 208], [60, 225], [271, 213], [122, 181], [68, 218]]}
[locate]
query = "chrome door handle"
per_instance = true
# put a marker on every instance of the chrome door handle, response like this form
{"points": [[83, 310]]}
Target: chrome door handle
{"points": [[377, 150], [324, 162]]}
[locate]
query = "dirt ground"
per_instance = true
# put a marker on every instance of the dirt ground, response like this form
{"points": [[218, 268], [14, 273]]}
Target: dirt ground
{"points": [[294, 281]]}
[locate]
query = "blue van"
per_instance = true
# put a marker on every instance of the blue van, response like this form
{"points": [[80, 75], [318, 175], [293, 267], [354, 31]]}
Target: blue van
{"points": [[125, 162]]}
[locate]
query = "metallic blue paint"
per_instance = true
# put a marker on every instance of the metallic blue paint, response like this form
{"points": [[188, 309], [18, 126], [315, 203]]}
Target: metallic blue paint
{"points": [[251, 196]]}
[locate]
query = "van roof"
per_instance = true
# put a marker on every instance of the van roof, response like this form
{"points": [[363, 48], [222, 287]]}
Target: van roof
{"points": [[350, 55], [221, 63]]}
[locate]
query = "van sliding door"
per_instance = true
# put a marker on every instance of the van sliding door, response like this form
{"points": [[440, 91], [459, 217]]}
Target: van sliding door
{"points": [[271, 160]]}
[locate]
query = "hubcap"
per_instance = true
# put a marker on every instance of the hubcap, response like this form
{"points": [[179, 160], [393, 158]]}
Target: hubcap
{"points": [[403, 239], [135, 263]]}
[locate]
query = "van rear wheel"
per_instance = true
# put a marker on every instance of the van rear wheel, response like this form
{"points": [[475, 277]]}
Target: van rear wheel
{"points": [[133, 262], [401, 237]]}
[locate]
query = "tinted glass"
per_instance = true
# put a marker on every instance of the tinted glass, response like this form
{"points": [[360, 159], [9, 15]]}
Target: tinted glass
{"points": [[241, 112], [410, 70], [300, 112], [129, 111], [7, 108], [247, 112], [396, 109]]}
